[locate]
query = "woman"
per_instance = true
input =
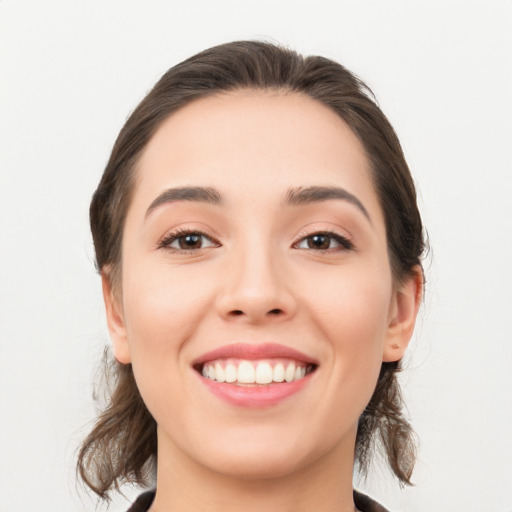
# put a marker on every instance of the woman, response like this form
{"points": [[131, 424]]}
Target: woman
{"points": [[259, 243]]}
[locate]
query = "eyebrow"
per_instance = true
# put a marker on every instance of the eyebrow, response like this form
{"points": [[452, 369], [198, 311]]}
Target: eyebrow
{"points": [[199, 194], [306, 195], [294, 197]]}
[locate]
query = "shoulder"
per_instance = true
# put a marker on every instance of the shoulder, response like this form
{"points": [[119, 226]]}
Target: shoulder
{"points": [[366, 504]]}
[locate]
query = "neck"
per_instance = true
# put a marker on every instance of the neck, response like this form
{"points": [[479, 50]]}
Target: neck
{"points": [[185, 486]]}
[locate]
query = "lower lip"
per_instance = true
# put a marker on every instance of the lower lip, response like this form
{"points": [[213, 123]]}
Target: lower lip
{"points": [[255, 396]]}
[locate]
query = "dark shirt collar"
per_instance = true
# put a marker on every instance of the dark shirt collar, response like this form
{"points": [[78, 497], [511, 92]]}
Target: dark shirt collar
{"points": [[363, 503]]}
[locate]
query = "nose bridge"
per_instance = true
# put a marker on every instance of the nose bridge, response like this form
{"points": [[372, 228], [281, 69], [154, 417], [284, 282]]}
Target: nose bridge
{"points": [[256, 287]]}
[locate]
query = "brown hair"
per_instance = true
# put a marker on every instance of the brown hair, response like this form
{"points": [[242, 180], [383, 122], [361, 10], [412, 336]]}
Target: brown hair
{"points": [[122, 445]]}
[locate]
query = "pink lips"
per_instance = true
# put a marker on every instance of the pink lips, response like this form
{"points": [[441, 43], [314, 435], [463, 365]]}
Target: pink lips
{"points": [[254, 396], [252, 352]]}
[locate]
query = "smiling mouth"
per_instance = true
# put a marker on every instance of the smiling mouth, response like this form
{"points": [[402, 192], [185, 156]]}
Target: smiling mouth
{"points": [[243, 372]]}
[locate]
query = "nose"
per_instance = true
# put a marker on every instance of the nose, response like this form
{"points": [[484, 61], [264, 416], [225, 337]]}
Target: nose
{"points": [[256, 289]]}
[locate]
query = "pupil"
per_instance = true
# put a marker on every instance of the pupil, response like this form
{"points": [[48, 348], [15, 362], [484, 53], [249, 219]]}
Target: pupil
{"points": [[319, 242], [188, 241]]}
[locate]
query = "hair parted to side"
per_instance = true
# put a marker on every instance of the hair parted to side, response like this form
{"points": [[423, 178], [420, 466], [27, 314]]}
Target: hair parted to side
{"points": [[122, 445]]}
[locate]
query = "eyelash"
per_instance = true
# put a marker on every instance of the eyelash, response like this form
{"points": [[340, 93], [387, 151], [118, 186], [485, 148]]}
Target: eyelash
{"points": [[165, 243], [167, 240], [344, 243]]}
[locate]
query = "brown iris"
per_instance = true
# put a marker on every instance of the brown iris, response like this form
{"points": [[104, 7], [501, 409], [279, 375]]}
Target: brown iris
{"points": [[190, 241], [319, 241]]}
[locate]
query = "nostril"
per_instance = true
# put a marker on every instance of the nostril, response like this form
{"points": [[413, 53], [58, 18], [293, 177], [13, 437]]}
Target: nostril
{"points": [[239, 312]]}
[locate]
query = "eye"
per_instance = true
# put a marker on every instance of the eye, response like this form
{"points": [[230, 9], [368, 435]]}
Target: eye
{"points": [[184, 240], [324, 242]]}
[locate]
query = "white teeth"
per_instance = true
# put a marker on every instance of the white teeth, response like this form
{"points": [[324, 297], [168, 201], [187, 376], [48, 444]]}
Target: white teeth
{"points": [[251, 372], [289, 374], [246, 373], [219, 373], [263, 373], [278, 374], [230, 373]]}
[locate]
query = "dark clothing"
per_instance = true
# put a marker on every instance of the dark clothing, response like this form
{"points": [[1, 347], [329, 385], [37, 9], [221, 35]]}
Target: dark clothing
{"points": [[366, 504], [143, 502], [363, 503]]}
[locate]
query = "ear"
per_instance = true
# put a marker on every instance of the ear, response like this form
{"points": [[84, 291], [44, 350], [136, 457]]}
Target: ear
{"points": [[115, 319], [403, 312]]}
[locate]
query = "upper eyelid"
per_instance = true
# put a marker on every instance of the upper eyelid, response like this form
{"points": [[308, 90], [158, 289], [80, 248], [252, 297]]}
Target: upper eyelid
{"points": [[328, 231], [182, 231], [174, 234], [344, 240]]}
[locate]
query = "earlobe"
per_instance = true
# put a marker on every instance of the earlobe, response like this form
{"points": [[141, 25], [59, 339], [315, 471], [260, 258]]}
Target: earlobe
{"points": [[403, 312], [115, 320]]}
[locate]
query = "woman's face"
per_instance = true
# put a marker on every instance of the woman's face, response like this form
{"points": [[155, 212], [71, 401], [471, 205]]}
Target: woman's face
{"points": [[254, 252]]}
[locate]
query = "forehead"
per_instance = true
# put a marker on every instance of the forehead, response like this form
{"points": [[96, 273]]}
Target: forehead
{"points": [[262, 141]]}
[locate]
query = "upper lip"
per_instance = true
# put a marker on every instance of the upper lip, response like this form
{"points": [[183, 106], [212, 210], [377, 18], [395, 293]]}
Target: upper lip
{"points": [[250, 351]]}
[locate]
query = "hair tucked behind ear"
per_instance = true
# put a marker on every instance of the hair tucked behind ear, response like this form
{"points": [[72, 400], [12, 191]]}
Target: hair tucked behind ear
{"points": [[122, 445]]}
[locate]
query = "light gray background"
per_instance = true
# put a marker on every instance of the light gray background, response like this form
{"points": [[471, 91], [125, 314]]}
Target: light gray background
{"points": [[70, 74]]}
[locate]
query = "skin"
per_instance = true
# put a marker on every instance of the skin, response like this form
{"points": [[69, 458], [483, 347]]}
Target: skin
{"points": [[255, 279]]}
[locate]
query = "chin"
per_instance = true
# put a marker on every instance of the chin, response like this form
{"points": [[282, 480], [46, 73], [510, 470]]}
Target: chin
{"points": [[255, 466], [253, 455]]}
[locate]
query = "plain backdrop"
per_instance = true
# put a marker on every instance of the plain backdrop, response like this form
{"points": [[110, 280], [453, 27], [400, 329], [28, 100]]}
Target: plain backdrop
{"points": [[71, 72]]}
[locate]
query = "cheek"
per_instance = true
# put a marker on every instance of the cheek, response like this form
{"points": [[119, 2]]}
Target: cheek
{"points": [[352, 313], [158, 298], [162, 310], [353, 301]]}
